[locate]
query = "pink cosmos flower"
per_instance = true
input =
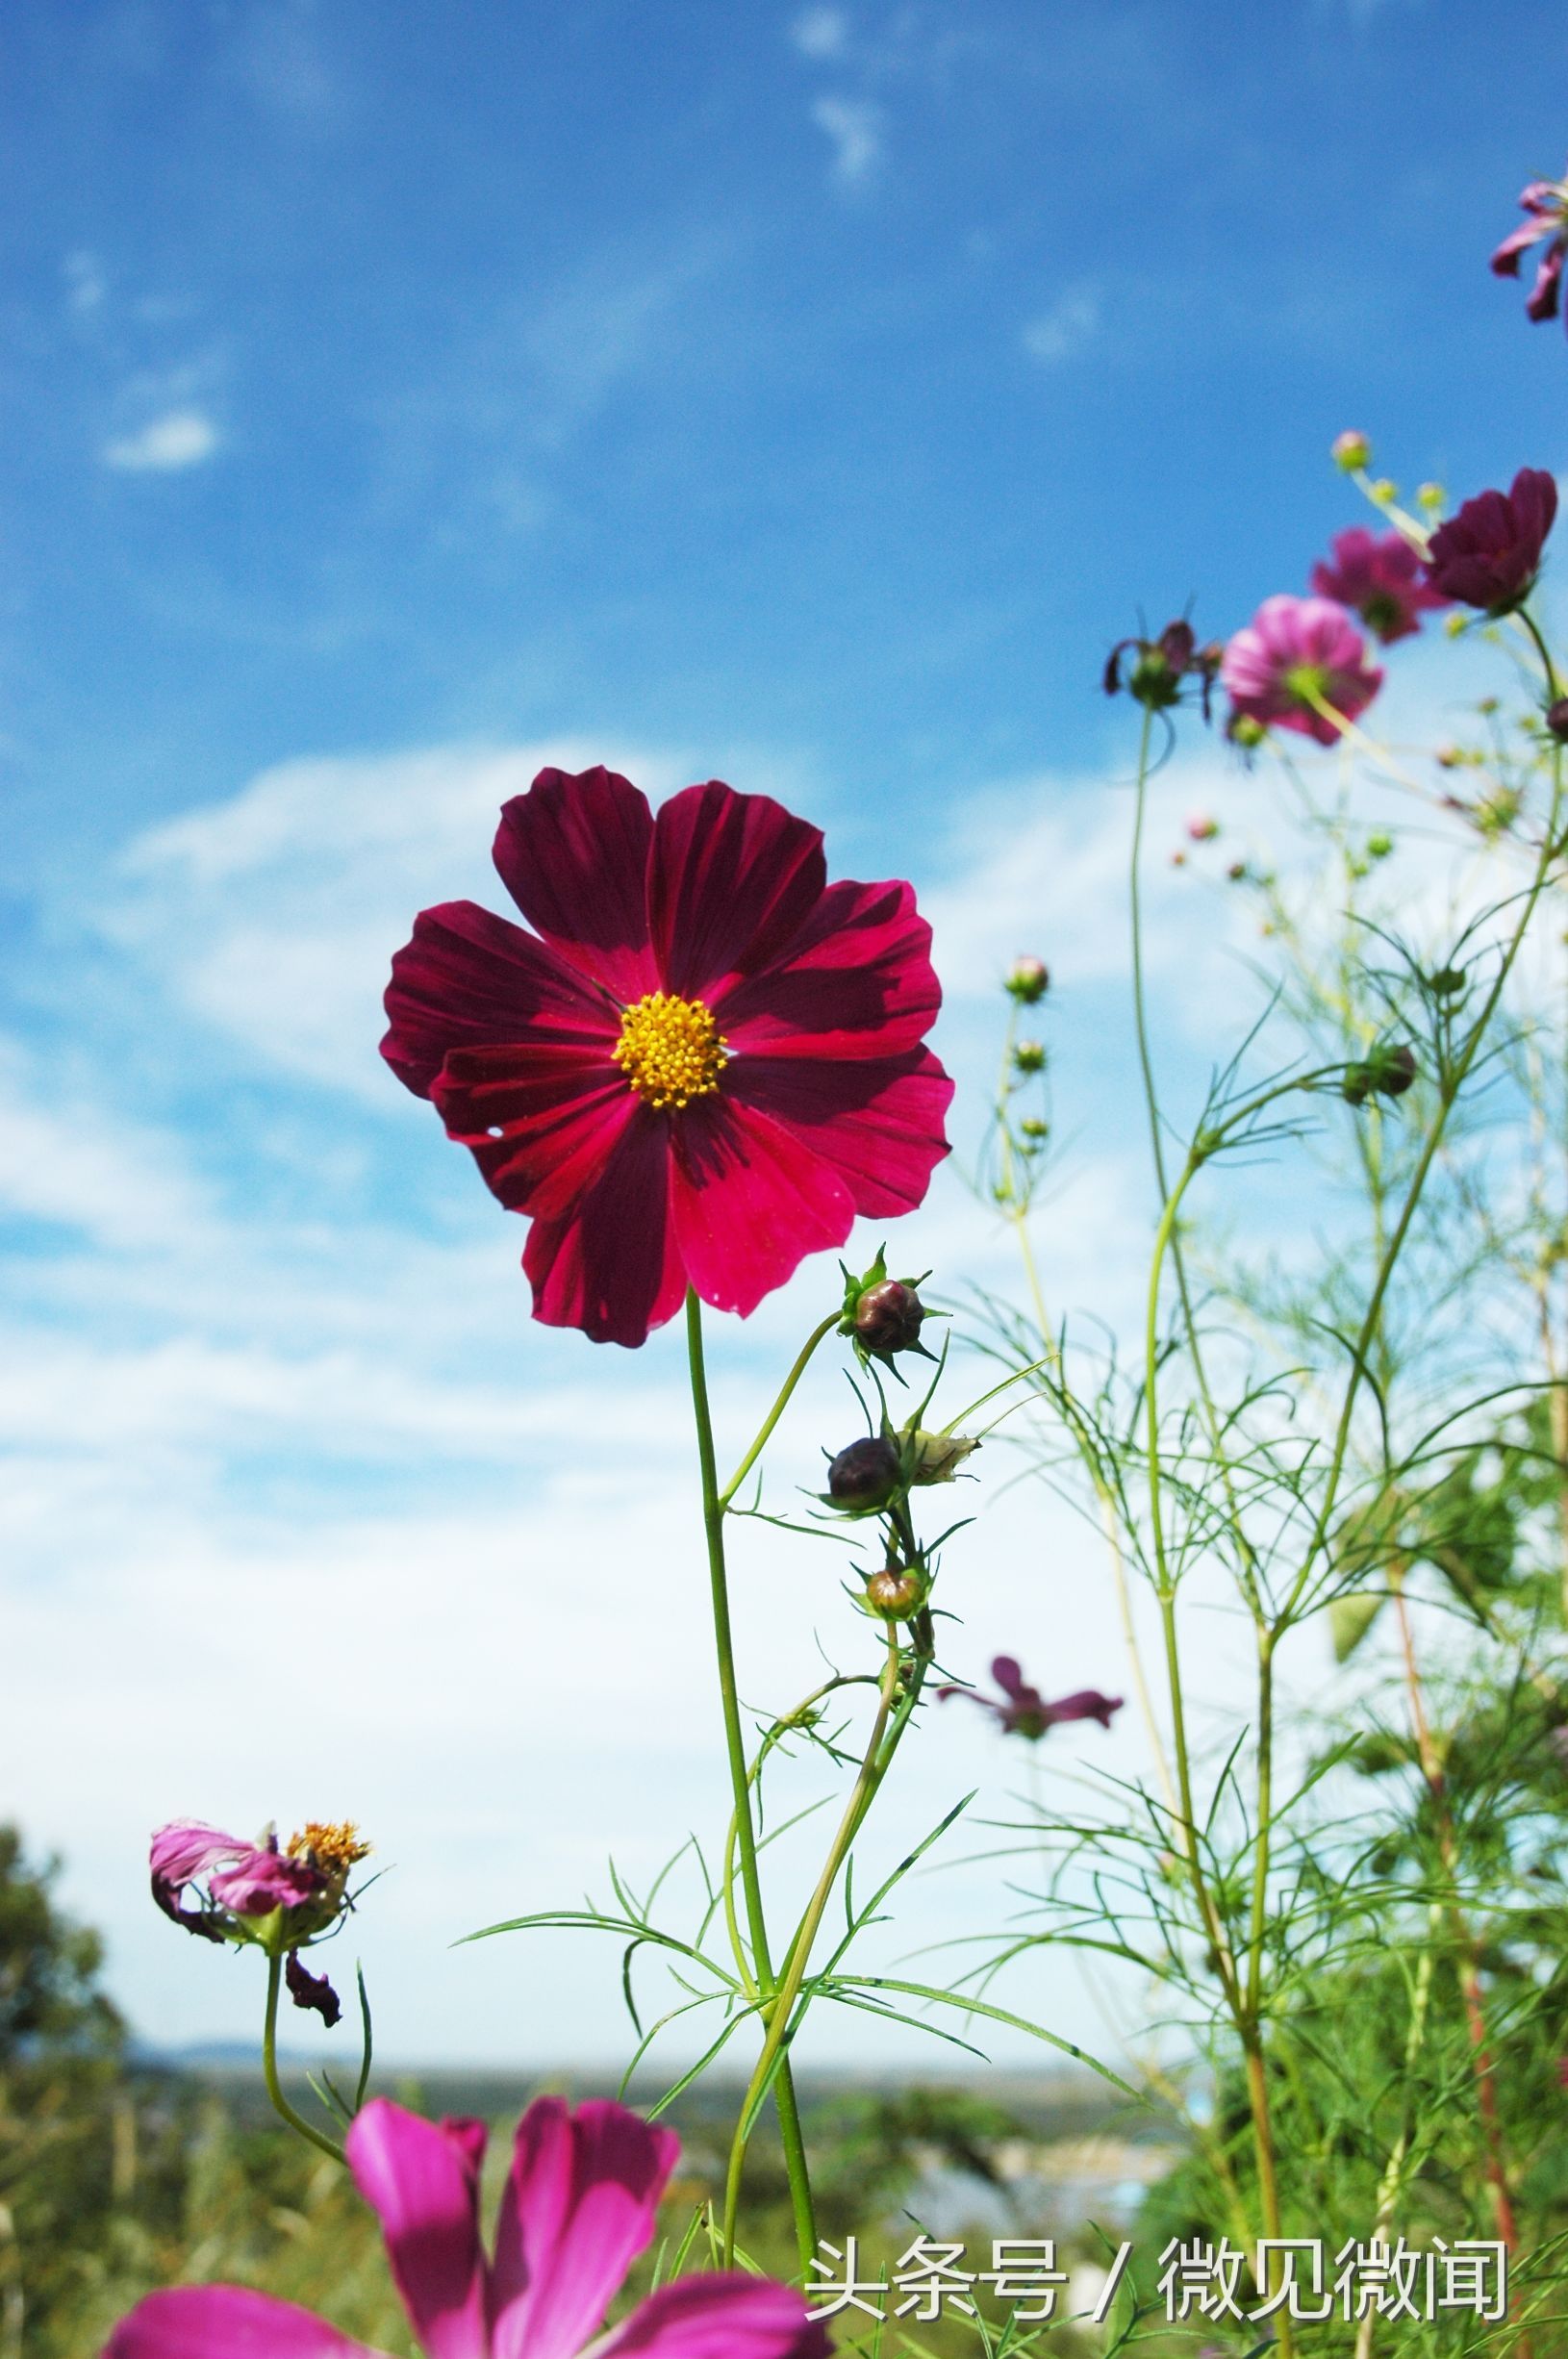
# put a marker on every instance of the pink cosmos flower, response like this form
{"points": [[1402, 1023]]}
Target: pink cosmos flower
{"points": [[1023, 1711], [577, 2209], [1546, 207], [1295, 656], [1379, 577], [703, 1062], [1489, 553]]}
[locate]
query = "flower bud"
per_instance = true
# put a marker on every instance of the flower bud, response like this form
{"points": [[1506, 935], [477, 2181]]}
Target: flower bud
{"points": [[888, 1317], [1379, 847], [1028, 980], [1247, 732], [1236, 871], [933, 1457], [1387, 1073], [895, 1593], [1350, 450], [1203, 828], [1556, 720], [1431, 496], [1029, 1057], [864, 1476], [1032, 1128]]}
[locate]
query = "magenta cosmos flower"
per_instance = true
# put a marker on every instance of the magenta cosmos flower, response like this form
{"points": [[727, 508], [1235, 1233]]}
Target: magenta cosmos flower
{"points": [[1023, 1711], [1545, 204], [1295, 656], [577, 2209], [1378, 575], [702, 1063], [1489, 553]]}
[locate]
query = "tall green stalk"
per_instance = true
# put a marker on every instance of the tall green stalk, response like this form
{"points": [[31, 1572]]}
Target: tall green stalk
{"points": [[714, 1504]]}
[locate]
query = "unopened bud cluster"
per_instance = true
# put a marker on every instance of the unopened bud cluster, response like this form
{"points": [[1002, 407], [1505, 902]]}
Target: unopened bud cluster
{"points": [[1387, 1073]]}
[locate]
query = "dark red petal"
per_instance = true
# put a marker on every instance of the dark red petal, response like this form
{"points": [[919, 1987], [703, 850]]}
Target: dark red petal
{"points": [[1532, 496], [731, 880], [574, 854], [611, 1266], [472, 980], [856, 980], [559, 1113], [749, 1200], [1541, 302], [878, 1125]]}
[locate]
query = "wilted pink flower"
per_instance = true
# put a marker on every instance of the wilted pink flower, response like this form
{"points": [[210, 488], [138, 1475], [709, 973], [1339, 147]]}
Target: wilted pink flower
{"points": [[1293, 659], [578, 2207], [1378, 575], [1490, 554], [1546, 211], [245, 1878], [1023, 1711], [282, 1898]]}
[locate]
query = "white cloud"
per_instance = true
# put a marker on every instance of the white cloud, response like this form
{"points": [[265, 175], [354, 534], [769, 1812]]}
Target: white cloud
{"points": [[165, 445], [87, 1166], [274, 916], [1070, 324], [85, 284], [855, 126], [820, 32]]}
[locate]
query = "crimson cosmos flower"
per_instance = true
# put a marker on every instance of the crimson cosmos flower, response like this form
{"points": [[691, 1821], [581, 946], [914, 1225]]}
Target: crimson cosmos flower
{"points": [[703, 1062], [577, 2209], [1295, 656], [1488, 554], [1378, 575], [1024, 1711]]}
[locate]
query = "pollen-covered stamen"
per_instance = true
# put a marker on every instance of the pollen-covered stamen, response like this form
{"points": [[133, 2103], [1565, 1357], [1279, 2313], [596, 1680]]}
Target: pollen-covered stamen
{"points": [[671, 1050], [333, 1848]]}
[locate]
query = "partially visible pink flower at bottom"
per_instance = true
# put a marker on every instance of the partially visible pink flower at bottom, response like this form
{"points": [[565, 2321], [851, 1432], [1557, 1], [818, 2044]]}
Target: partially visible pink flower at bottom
{"points": [[1295, 658], [578, 2207], [1023, 1711]]}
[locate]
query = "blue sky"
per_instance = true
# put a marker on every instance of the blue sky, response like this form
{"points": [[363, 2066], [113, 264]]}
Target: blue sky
{"points": [[399, 397]]}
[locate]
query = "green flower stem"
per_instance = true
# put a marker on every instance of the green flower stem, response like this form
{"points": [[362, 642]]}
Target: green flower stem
{"points": [[269, 2066], [713, 1521], [887, 1729], [780, 1729], [1447, 1094], [1554, 687], [1146, 1066], [773, 1415]]}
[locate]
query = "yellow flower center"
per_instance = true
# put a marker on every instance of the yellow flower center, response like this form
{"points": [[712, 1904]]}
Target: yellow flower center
{"points": [[332, 1848], [670, 1050]]}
